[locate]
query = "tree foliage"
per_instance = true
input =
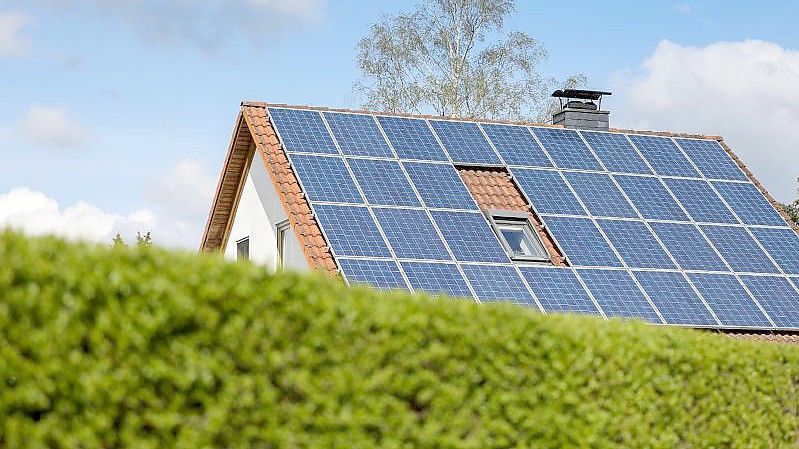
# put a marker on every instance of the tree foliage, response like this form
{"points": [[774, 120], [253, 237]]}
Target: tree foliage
{"points": [[453, 57], [142, 240], [792, 209]]}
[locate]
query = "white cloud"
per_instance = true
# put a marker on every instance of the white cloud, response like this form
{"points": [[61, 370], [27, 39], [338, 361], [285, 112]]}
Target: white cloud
{"points": [[52, 127], [745, 91], [184, 194], [684, 8], [13, 40], [205, 23]]}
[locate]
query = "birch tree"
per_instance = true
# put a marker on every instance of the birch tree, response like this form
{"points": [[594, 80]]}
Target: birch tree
{"points": [[454, 57]]}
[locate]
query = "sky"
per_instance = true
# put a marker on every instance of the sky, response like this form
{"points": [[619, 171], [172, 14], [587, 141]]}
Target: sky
{"points": [[115, 116]]}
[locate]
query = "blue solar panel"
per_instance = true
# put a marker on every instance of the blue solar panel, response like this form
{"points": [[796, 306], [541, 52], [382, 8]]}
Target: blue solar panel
{"points": [[558, 290], [470, 237], [651, 198], [636, 244], [358, 135], [674, 297], [618, 295], [382, 274], [783, 246], [383, 182], [748, 203], [411, 234], [465, 142], [732, 305], [439, 185], [497, 283], [567, 148], [302, 131], [701, 202], [436, 278], [777, 296], [739, 249], [664, 156], [547, 192], [600, 195], [616, 153], [325, 178], [412, 139], [582, 242], [351, 231], [516, 145], [687, 245], [711, 159]]}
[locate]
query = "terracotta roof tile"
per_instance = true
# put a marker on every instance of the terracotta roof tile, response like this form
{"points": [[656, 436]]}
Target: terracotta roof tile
{"points": [[774, 337]]}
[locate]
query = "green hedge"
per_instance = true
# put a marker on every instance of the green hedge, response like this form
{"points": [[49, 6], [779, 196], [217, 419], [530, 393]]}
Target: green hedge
{"points": [[105, 348]]}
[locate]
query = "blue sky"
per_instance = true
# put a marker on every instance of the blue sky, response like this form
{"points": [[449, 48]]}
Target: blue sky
{"points": [[120, 112]]}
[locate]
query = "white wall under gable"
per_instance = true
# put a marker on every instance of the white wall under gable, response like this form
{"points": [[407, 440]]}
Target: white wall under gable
{"points": [[258, 213]]}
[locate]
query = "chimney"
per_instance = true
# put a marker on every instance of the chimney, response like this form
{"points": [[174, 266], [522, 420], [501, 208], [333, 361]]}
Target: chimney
{"points": [[580, 111]]}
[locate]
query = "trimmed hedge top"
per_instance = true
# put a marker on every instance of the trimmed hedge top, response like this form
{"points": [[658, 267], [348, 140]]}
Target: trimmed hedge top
{"points": [[103, 348]]}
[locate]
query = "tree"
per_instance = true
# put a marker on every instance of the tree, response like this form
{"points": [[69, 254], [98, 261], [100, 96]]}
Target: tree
{"points": [[142, 240], [452, 57], [792, 209]]}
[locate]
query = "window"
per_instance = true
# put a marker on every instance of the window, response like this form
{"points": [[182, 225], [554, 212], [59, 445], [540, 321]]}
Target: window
{"points": [[243, 249], [518, 236], [281, 232]]}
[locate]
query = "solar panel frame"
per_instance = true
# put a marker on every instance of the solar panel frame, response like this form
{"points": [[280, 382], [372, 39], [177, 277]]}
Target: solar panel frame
{"points": [[547, 191], [566, 148], [664, 156], [302, 131], [494, 283], [437, 277], [516, 145], [782, 244], [440, 186], [382, 274], [651, 198], [777, 296], [465, 142], [739, 249], [411, 234], [688, 246], [383, 182], [351, 231], [675, 298], [469, 237], [729, 300], [581, 241], [749, 204], [616, 153], [636, 244], [600, 195], [700, 200], [558, 290], [619, 295], [711, 159], [412, 139], [325, 178], [357, 134]]}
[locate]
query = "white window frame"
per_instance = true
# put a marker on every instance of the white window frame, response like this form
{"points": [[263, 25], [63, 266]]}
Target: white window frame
{"points": [[498, 218], [281, 233]]}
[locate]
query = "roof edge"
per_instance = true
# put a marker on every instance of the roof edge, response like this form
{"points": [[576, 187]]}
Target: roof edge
{"points": [[263, 104]]}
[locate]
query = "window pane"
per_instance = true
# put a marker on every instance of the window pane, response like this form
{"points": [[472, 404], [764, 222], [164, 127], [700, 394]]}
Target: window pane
{"points": [[521, 240]]}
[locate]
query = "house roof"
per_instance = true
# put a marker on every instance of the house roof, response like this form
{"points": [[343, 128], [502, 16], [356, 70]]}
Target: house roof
{"points": [[491, 186]]}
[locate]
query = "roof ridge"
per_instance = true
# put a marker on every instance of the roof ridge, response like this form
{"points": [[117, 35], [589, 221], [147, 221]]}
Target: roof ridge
{"points": [[263, 104]]}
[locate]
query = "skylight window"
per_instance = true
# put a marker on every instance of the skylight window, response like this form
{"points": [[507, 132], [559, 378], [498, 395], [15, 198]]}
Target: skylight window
{"points": [[518, 236]]}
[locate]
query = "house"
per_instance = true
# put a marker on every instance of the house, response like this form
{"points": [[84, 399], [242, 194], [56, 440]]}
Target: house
{"points": [[572, 217]]}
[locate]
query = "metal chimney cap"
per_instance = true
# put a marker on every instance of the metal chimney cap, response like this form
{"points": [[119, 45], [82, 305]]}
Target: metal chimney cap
{"points": [[579, 94]]}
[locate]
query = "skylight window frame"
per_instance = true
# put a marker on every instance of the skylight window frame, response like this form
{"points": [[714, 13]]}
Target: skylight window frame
{"points": [[500, 218]]}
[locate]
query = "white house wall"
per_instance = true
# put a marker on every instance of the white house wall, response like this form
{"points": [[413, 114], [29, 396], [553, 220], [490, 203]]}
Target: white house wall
{"points": [[258, 213]]}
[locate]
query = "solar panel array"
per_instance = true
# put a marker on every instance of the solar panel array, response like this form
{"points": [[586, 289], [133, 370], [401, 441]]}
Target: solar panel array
{"points": [[669, 230]]}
